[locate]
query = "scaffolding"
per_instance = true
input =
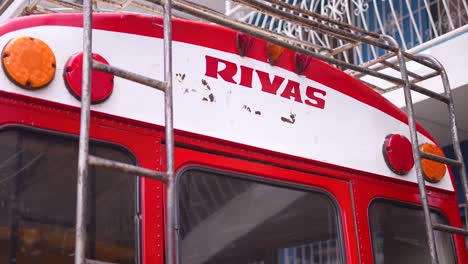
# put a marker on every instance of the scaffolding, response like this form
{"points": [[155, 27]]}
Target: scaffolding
{"points": [[345, 36]]}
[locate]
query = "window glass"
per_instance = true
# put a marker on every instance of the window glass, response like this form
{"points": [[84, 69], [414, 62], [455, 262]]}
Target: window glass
{"points": [[38, 201], [399, 236], [226, 220]]}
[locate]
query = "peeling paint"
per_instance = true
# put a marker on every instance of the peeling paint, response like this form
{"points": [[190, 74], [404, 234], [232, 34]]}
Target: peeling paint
{"points": [[180, 77], [290, 120], [205, 83]]}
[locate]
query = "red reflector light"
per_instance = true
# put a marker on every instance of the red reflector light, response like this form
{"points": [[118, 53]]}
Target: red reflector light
{"points": [[398, 154], [102, 83]]}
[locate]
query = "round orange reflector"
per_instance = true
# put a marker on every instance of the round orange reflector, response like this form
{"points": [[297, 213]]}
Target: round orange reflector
{"points": [[28, 62], [433, 171]]}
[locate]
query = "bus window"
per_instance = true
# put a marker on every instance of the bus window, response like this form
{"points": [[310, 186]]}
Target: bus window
{"points": [[38, 201], [225, 219], [398, 234]]}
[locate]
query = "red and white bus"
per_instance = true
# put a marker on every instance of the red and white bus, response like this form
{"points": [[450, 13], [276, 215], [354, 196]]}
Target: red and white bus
{"points": [[273, 163]]}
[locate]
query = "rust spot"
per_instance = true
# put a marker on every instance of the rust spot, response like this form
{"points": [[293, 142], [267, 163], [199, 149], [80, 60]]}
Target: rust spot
{"points": [[204, 82], [211, 96], [258, 112], [205, 99]]}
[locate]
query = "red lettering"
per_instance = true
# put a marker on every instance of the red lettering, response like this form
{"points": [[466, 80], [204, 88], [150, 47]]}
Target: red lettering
{"points": [[212, 69], [269, 86], [292, 90], [315, 101], [246, 76]]}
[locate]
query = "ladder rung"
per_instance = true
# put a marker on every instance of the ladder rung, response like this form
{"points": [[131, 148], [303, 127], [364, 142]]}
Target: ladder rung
{"points": [[130, 75], [93, 261], [440, 159], [127, 168], [441, 97], [450, 229]]}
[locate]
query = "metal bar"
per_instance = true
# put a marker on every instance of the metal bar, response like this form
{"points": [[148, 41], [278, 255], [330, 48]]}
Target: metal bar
{"points": [[344, 48], [422, 90], [395, 67], [135, 77], [171, 230], [147, 8], [417, 156], [32, 6], [111, 3], [440, 159], [5, 5], [124, 5], [427, 76], [67, 4], [338, 33], [207, 14], [93, 261], [453, 129], [451, 229], [323, 18], [82, 175], [200, 11], [127, 168]]}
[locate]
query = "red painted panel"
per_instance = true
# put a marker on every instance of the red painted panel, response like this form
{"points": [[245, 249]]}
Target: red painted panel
{"points": [[366, 190], [142, 142], [339, 189]]}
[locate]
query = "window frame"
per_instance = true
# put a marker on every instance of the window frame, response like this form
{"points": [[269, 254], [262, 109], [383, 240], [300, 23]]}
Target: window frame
{"points": [[101, 143], [408, 205], [180, 172]]}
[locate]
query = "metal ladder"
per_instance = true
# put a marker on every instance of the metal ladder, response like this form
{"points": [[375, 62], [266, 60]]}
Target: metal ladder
{"points": [[168, 177], [85, 159], [447, 99]]}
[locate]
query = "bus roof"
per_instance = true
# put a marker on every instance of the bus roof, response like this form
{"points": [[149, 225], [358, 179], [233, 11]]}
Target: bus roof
{"points": [[321, 114]]}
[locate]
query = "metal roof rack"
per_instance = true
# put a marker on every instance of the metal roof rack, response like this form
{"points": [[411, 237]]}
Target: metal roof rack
{"points": [[346, 37]]}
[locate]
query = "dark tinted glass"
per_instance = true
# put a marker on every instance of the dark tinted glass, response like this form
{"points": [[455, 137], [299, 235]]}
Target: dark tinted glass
{"points": [[226, 220], [398, 235], [38, 197]]}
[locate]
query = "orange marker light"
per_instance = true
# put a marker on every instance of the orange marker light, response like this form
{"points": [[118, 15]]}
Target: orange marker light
{"points": [[29, 62], [274, 52], [433, 171]]}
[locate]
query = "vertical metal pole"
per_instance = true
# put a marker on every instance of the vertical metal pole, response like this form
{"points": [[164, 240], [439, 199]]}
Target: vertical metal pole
{"points": [[416, 154], [453, 129], [82, 176], [170, 227]]}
